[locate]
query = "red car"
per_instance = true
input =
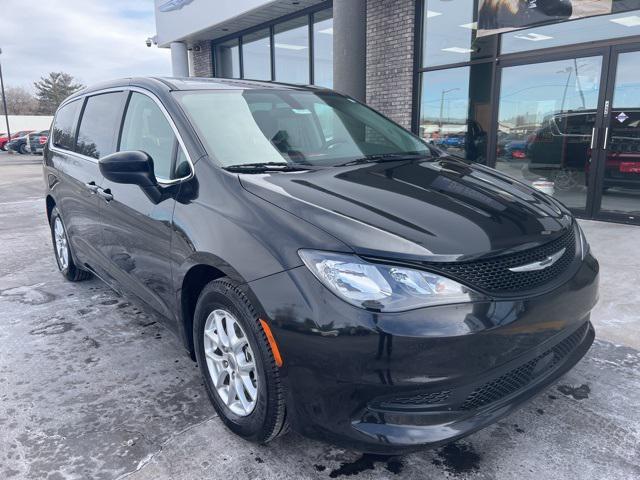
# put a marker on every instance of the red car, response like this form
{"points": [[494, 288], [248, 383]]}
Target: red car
{"points": [[4, 139]]}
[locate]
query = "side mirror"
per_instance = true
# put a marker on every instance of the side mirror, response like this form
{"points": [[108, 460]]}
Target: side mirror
{"points": [[134, 167]]}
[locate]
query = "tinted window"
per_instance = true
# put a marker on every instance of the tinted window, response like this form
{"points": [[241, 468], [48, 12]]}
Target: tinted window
{"points": [[64, 125], [99, 124], [146, 128]]}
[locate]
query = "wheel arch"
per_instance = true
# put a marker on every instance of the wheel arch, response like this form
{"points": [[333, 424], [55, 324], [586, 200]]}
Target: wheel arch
{"points": [[51, 203], [198, 271]]}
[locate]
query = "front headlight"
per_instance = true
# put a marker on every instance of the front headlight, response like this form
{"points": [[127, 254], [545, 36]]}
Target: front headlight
{"points": [[386, 288]]}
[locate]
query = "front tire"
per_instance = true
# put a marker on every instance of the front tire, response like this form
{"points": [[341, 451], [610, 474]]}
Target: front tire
{"points": [[237, 364], [23, 149], [62, 250]]}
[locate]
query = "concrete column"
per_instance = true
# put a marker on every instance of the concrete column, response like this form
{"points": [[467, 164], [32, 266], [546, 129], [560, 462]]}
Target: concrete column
{"points": [[350, 47], [179, 60]]}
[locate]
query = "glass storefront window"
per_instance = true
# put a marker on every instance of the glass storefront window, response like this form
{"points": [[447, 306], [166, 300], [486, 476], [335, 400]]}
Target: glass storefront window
{"points": [[256, 55], [323, 48], [227, 58], [621, 182], [569, 33], [547, 112], [291, 47], [451, 33], [455, 110]]}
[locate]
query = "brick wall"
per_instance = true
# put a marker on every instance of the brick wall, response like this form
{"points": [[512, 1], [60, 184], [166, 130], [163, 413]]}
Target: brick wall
{"points": [[390, 42], [201, 64]]}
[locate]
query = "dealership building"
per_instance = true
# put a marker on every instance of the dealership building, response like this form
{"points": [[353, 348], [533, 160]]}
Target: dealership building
{"points": [[547, 91]]}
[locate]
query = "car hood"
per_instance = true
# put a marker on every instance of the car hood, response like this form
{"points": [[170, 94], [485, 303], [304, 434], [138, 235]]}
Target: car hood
{"points": [[441, 210]]}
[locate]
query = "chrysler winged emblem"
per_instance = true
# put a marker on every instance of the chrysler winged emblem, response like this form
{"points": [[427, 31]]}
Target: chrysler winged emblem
{"points": [[541, 264]]}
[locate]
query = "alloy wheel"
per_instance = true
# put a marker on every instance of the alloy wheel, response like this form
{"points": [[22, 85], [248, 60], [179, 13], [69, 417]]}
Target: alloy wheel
{"points": [[60, 239], [230, 362]]}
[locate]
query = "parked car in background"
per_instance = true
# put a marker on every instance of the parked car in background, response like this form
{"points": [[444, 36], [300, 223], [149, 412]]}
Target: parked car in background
{"points": [[18, 145], [4, 140], [327, 269], [36, 141]]}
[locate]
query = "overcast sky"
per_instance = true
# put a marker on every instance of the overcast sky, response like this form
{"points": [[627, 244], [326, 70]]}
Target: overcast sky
{"points": [[93, 40]]}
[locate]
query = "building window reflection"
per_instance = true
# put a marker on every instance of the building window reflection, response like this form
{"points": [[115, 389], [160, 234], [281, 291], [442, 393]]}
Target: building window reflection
{"points": [[289, 44], [291, 47], [323, 48], [256, 55], [455, 110]]}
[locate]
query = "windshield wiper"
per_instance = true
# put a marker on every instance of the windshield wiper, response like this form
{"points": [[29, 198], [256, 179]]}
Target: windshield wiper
{"points": [[383, 157], [266, 167]]}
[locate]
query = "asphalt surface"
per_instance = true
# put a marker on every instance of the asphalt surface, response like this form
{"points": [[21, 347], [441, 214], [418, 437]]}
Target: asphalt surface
{"points": [[92, 386]]}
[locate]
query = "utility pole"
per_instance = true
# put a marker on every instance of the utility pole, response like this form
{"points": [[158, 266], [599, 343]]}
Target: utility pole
{"points": [[4, 101]]}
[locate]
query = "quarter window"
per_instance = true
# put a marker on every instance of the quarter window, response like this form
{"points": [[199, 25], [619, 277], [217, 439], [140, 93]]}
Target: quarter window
{"points": [[146, 128], [64, 127], [99, 124]]}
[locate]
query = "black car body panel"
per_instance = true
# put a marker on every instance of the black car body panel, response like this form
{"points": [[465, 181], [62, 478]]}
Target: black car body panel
{"points": [[377, 381], [432, 210]]}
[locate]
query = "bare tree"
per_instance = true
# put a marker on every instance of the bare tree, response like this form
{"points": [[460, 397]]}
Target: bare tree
{"points": [[53, 89], [20, 102]]}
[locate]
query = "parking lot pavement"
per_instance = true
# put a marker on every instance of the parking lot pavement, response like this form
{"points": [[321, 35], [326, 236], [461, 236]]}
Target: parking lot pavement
{"points": [[92, 386]]}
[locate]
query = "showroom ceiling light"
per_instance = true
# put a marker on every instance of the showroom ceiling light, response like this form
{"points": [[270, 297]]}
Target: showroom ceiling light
{"points": [[533, 37], [457, 50], [328, 31], [630, 21], [288, 46], [470, 26], [431, 14]]}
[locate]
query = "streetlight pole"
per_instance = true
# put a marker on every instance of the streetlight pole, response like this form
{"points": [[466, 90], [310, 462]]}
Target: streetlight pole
{"points": [[4, 101], [444, 92]]}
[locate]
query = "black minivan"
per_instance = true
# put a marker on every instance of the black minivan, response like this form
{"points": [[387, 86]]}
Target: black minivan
{"points": [[328, 270]]}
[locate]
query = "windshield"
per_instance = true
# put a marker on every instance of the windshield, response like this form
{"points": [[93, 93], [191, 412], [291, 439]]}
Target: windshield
{"points": [[241, 127]]}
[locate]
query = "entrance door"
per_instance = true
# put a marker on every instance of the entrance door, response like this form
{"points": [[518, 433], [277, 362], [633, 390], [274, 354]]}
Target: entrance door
{"points": [[548, 119], [618, 175]]}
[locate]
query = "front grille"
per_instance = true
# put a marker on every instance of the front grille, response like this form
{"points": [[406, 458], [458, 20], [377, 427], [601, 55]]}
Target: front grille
{"points": [[417, 400], [494, 277], [519, 377]]}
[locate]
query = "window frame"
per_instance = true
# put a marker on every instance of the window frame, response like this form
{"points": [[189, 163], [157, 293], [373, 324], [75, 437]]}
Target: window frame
{"points": [[74, 129], [81, 117], [127, 89], [178, 144]]}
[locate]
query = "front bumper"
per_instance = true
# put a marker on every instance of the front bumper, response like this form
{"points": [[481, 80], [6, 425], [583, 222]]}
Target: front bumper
{"points": [[392, 382]]}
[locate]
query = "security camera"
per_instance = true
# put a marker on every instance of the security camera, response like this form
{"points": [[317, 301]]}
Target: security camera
{"points": [[149, 42], [197, 48]]}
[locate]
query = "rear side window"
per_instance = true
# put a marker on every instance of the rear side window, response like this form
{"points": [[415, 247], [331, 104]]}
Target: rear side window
{"points": [[99, 124], [64, 126], [146, 128]]}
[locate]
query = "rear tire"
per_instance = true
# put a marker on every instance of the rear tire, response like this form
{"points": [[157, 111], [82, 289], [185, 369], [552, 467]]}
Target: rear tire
{"points": [[23, 149], [62, 250], [226, 313]]}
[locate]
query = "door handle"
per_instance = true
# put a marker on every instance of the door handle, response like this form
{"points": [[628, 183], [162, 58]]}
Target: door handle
{"points": [[92, 187], [606, 138], [106, 194], [593, 137]]}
